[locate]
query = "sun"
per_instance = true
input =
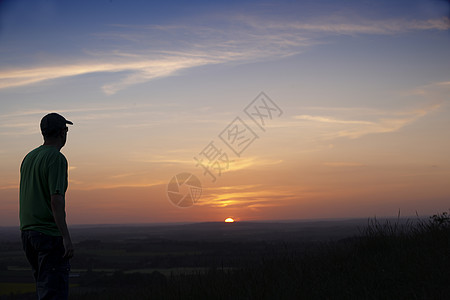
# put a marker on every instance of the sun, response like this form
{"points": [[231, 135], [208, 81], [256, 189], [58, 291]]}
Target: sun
{"points": [[229, 220]]}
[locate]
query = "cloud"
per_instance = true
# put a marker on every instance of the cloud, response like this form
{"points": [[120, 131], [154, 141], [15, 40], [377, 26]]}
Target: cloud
{"points": [[148, 70], [12, 186], [250, 162], [382, 122], [161, 51], [439, 90], [340, 26], [142, 70], [245, 196], [187, 159], [338, 164], [331, 120], [26, 122]]}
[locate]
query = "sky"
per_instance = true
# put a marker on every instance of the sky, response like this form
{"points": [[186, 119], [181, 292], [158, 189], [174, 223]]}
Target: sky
{"points": [[255, 110]]}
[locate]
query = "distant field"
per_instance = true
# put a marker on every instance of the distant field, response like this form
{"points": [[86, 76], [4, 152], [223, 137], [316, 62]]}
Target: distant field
{"points": [[263, 259], [7, 288], [168, 249], [174, 271]]}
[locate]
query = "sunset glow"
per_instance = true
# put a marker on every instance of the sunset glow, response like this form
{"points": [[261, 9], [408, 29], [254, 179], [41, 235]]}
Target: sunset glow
{"points": [[229, 220], [353, 120]]}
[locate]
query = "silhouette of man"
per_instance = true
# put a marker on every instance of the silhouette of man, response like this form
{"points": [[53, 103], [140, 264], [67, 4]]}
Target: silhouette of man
{"points": [[45, 237]]}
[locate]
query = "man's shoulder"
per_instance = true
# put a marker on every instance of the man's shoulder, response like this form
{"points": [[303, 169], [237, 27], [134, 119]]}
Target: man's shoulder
{"points": [[54, 154], [32, 154], [34, 151], [48, 153]]}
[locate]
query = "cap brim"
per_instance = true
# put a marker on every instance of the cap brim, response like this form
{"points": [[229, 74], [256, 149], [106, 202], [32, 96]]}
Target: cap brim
{"points": [[69, 122]]}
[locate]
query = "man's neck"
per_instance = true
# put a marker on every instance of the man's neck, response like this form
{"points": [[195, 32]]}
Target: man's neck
{"points": [[55, 144]]}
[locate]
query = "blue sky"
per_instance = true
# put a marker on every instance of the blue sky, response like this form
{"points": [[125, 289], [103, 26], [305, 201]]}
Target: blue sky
{"points": [[363, 85]]}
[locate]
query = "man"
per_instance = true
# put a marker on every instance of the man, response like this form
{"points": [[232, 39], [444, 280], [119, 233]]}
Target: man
{"points": [[45, 237]]}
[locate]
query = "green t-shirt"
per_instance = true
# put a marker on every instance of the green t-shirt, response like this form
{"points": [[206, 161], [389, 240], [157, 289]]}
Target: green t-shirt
{"points": [[43, 173]]}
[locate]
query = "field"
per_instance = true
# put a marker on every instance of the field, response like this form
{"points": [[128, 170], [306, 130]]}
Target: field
{"points": [[334, 259]]}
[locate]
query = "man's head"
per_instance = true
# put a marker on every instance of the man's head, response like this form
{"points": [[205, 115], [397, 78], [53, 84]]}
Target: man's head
{"points": [[54, 128]]}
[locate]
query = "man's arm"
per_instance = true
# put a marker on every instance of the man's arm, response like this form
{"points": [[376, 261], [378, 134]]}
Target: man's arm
{"points": [[58, 207]]}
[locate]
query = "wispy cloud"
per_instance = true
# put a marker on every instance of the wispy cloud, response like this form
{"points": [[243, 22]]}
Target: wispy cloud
{"points": [[339, 25], [342, 164], [162, 51], [86, 187], [332, 120], [439, 90], [25, 122], [245, 196], [187, 159], [377, 121], [142, 70]]}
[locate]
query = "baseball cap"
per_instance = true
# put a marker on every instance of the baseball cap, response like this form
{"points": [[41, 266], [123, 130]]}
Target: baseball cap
{"points": [[53, 122]]}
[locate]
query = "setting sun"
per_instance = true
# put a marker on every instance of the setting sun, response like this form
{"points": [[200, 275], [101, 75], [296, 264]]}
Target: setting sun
{"points": [[229, 220]]}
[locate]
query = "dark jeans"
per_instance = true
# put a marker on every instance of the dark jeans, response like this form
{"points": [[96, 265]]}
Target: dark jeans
{"points": [[50, 269]]}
